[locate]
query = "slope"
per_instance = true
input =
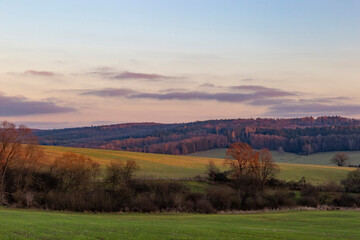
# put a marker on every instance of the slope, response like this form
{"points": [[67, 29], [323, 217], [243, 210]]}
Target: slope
{"points": [[170, 166]]}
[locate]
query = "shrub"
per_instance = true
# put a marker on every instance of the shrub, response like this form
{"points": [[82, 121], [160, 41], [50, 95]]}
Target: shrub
{"points": [[309, 201], [280, 198], [347, 200], [216, 175], [204, 206], [220, 197], [144, 203], [309, 196], [352, 182]]}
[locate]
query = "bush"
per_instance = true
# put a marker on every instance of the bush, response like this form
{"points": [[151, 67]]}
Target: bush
{"points": [[220, 197], [24, 199], [280, 198], [276, 183], [352, 182], [216, 175], [347, 200], [309, 196], [144, 203], [309, 201], [204, 206], [168, 195]]}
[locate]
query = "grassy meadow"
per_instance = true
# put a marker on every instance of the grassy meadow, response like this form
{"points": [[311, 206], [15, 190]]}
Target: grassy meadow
{"points": [[313, 159], [27, 224], [160, 165]]}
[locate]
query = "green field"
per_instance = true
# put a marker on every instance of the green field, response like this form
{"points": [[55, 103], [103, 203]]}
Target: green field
{"points": [[27, 224], [160, 165], [314, 159]]}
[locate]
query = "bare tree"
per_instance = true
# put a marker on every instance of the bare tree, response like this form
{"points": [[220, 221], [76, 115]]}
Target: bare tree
{"points": [[113, 173], [130, 167], [29, 161], [266, 167], [12, 139], [340, 159], [118, 173]]}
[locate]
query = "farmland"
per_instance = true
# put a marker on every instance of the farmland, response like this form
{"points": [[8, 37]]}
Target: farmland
{"points": [[313, 159], [160, 165], [27, 224]]}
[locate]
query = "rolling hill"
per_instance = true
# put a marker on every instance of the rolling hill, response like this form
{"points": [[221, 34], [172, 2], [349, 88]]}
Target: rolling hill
{"points": [[169, 166], [313, 159], [296, 135]]}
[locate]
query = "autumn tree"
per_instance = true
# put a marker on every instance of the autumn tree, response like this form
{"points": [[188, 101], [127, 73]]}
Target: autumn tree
{"points": [[74, 171], [245, 161], [12, 140], [27, 164], [239, 157], [340, 159]]}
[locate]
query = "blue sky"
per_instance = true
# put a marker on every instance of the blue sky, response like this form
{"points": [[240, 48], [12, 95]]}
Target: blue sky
{"points": [[174, 61]]}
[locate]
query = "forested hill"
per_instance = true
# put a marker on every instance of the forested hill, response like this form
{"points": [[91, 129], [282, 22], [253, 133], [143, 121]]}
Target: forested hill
{"points": [[298, 135]]}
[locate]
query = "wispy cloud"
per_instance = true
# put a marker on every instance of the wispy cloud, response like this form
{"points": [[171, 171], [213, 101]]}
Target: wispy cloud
{"points": [[40, 73], [312, 106], [207, 85], [252, 88], [255, 89], [280, 103], [109, 92], [325, 100], [109, 73], [256, 93], [319, 109], [266, 91], [135, 75], [221, 97], [172, 90], [270, 102], [35, 73], [21, 106]]}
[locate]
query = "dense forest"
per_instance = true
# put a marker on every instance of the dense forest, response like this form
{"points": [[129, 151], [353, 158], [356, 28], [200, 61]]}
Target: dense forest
{"points": [[297, 135]]}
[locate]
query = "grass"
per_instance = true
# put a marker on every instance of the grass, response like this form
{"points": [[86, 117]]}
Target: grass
{"points": [[155, 165], [313, 159], [26, 224], [161, 165]]}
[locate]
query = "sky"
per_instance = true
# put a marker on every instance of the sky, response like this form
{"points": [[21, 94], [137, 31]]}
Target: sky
{"points": [[78, 63]]}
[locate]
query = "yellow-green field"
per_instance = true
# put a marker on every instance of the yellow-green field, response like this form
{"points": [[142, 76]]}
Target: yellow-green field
{"points": [[314, 159], [160, 165]]}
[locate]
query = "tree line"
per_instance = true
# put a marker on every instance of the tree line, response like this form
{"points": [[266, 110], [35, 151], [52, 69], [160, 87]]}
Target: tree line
{"points": [[299, 135]]}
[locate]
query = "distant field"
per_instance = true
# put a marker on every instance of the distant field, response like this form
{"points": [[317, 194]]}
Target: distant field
{"points": [[315, 159], [156, 165], [26, 224], [159, 165]]}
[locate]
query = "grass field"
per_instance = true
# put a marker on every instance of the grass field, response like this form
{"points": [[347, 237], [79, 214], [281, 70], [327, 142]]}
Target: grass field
{"points": [[159, 165], [26, 224], [314, 159]]}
